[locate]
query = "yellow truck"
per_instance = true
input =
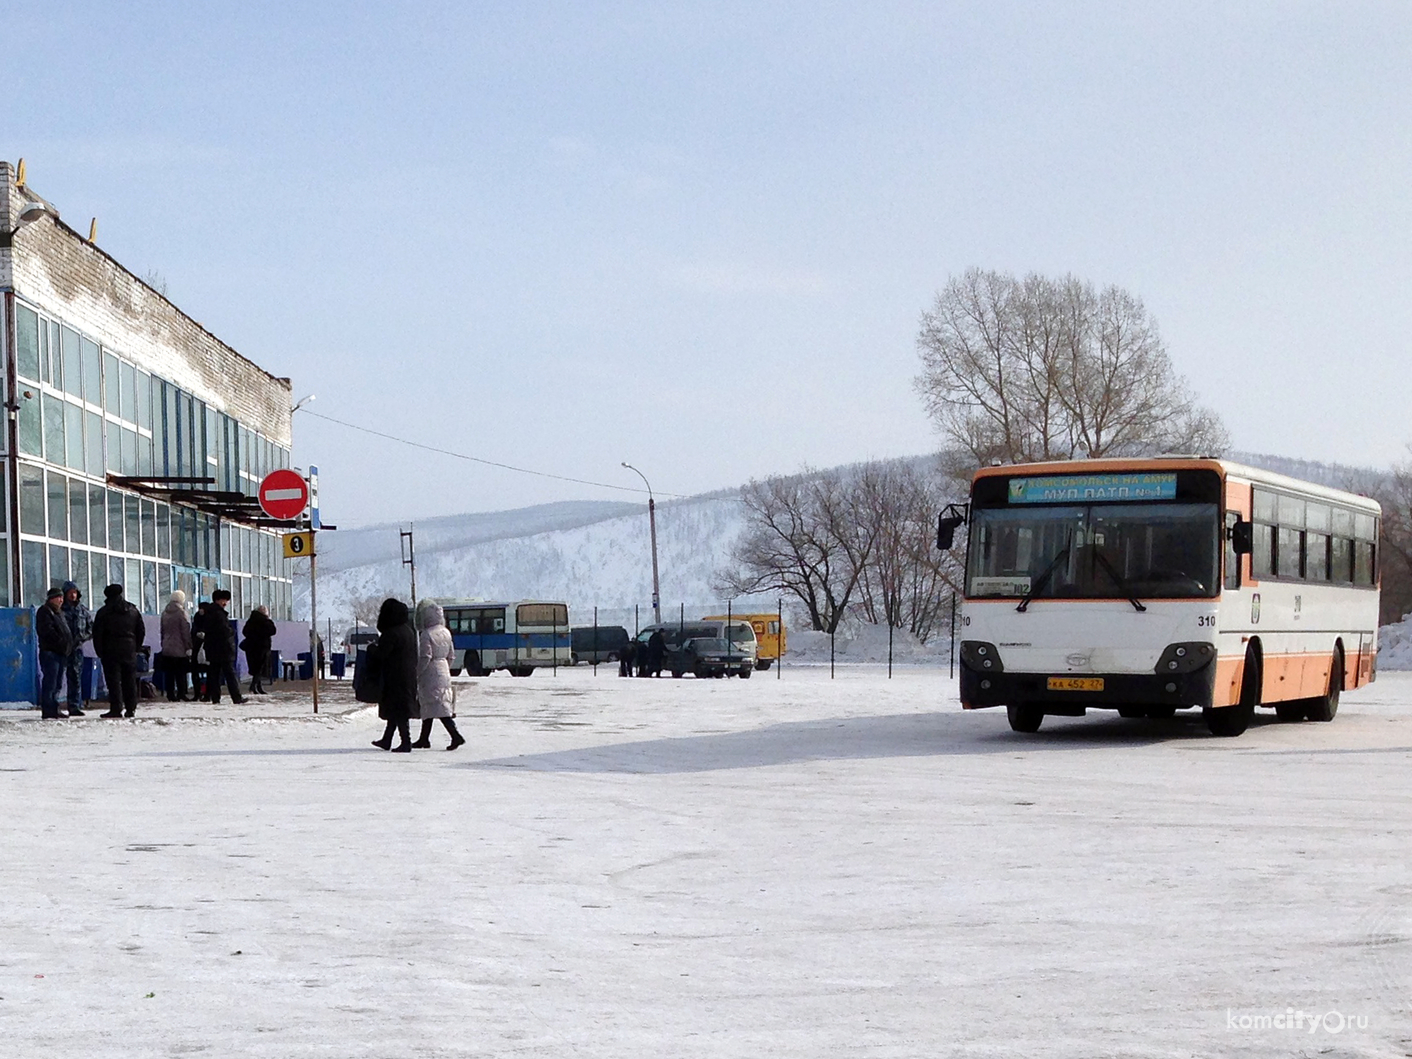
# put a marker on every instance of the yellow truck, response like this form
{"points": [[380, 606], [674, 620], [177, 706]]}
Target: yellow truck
{"points": [[769, 635]]}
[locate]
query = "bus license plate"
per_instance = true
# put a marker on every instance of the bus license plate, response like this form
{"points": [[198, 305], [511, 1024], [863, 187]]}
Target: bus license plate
{"points": [[1075, 683]]}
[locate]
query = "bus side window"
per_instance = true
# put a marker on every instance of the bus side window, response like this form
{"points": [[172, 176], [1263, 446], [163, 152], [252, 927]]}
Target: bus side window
{"points": [[1232, 559]]}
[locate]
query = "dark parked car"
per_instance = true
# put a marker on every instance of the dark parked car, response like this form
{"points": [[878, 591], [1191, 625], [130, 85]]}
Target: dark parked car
{"points": [[594, 644], [712, 656]]}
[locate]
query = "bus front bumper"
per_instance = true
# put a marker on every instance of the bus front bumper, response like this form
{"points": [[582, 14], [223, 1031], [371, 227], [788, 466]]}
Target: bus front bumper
{"points": [[979, 690]]}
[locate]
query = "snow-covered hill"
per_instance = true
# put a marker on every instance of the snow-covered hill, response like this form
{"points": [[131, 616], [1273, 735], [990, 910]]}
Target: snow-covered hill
{"points": [[588, 554]]}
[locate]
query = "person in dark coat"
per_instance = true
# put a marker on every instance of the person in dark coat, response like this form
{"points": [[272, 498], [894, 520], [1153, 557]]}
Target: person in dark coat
{"points": [[200, 671], [80, 622], [656, 648], [392, 664], [257, 642], [625, 659], [55, 645], [118, 631], [220, 650]]}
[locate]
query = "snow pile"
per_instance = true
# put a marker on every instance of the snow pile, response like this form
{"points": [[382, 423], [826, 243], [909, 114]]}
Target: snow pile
{"points": [[1395, 645], [861, 642]]}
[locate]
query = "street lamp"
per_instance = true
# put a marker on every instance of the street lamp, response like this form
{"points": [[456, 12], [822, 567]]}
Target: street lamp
{"points": [[652, 522], [30, 212], [301, 403]]}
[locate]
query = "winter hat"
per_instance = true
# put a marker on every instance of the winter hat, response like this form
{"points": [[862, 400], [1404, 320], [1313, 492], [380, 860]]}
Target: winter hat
{"points": [[113, 592], [178, 596], [54, 593], [69, 586]]}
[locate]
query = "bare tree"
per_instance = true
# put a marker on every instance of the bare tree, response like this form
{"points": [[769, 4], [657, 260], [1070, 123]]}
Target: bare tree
{"points": [[803, 536], [365, 608], [1395, 495], [1042, 368], [907, 582]]}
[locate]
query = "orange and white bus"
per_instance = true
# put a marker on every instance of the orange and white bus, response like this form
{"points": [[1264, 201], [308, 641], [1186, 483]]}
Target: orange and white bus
{"points": [[1153, 585]]}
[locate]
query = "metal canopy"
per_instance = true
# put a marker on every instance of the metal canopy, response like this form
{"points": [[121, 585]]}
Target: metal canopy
{"points": [[188, 490]]}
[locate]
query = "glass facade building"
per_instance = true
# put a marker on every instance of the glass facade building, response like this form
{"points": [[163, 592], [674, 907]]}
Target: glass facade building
{"points": [[86, 413]]}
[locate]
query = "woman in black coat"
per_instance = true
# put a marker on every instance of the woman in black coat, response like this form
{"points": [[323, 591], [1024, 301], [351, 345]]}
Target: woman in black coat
{"points": [[392, 664], [259, 634]]}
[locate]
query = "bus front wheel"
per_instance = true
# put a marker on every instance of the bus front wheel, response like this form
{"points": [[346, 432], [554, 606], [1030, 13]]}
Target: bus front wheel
{"points": [[1025, 718], [1231, 721]]}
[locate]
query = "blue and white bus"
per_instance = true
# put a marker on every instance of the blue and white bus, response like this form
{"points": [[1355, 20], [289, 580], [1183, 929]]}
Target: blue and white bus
{"points": [[519, 636]]}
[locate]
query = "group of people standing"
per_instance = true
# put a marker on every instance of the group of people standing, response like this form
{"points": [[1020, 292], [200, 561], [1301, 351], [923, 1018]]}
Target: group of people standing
{"points": [[203, 646], [645, 658], [411, 672], [64, 624]]}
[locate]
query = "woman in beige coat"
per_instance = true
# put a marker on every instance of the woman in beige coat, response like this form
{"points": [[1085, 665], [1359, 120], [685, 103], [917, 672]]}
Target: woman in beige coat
{"points": [[435, 696]]}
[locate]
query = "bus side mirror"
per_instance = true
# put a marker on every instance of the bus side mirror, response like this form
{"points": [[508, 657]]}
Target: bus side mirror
{"points": [[946, 525], [1243, 537]]}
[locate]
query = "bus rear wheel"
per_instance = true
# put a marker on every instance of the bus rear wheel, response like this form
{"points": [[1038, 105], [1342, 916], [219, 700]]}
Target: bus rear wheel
{"points": [[1025, 717], [1325, 707]]}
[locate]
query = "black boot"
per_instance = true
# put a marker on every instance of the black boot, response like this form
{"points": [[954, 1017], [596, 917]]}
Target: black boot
{"points": [[385, 743], [405, 746], [456, 737], [424, 740]]}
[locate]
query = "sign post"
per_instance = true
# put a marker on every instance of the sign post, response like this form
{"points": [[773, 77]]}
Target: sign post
{"points": [[284, 495]]}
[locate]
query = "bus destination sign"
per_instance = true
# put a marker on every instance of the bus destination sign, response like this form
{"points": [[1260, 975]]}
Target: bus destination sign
{"points": [[1092, 488]]}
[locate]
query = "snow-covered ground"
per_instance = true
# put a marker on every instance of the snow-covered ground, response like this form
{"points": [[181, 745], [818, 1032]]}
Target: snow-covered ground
{"points": [[775, 867]]}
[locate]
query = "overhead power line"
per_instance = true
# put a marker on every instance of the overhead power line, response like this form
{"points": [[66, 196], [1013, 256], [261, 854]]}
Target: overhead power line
{"points": [[477, 459]]}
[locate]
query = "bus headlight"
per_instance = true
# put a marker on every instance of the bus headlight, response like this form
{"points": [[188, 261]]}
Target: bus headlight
{"points": [[981, 656], [1181, 658]]}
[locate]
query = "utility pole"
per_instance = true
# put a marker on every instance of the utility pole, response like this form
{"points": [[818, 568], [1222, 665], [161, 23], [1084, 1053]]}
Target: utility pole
{"points": [[652, 523], [314, 618], [409, 558]]}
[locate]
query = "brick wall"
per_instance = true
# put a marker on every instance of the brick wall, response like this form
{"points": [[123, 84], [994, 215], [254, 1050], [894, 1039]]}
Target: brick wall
{"points": [[56, 269]]}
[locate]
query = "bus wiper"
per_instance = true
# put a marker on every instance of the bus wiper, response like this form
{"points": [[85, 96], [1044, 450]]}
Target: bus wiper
{"points": [[1043, 579], [1118, 580]]}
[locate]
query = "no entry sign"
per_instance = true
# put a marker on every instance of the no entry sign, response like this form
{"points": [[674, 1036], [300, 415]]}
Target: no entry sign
{"points": [[284, 494]]}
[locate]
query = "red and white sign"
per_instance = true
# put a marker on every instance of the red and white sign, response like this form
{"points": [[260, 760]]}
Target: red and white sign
{"points": [[284, 494]]}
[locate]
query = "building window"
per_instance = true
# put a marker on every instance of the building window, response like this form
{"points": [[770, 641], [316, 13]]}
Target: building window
{"points": [[97, 517], [53, 429], [58, 565], [115, 521], [31, 482], [78, 511], [92, 369], [32, 586], [26, 343], [31, 425], [72, 372]]}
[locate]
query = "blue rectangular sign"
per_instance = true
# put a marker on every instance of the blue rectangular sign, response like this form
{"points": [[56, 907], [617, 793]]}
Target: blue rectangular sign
{"points": [[1092, 488]]}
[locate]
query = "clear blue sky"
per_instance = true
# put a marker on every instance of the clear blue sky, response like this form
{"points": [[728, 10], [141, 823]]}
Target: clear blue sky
{"points": [[699, 237]]}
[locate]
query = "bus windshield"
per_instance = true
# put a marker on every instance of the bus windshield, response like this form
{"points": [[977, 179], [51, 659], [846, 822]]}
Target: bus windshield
{"points": [[1095, 551]]}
